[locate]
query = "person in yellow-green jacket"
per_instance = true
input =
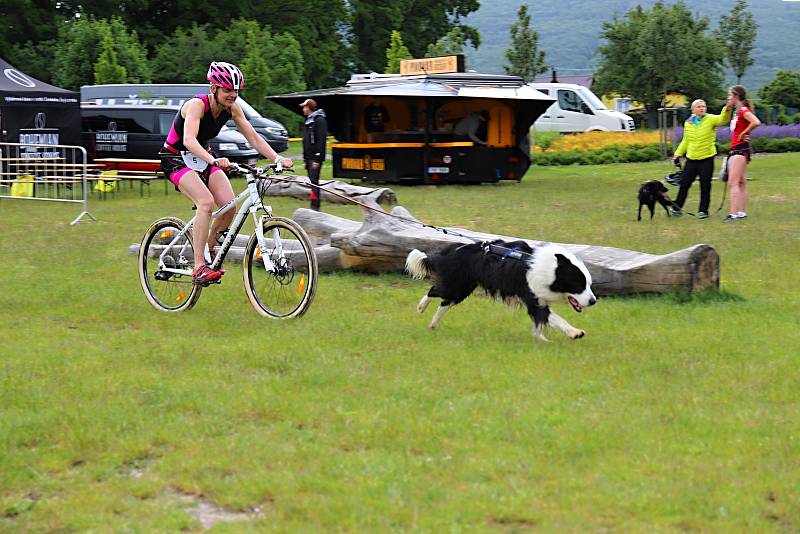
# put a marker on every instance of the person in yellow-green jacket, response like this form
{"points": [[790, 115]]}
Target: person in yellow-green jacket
{"points": [[698, 144]]}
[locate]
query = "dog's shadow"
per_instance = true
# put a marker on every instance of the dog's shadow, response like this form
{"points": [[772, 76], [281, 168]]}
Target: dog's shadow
{"points": [[681, 297]]}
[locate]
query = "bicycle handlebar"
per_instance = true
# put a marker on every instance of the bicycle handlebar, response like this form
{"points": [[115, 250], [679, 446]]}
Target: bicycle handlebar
{"points": [[277, 168]]}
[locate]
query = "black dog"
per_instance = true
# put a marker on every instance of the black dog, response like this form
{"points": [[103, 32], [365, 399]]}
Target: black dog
{"points": [[651, 192]]}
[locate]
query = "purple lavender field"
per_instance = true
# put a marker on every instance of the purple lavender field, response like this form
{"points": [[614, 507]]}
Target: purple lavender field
{"points": [[772, 131]]}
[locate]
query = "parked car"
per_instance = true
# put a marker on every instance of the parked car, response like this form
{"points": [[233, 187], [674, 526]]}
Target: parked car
{"points": [[578, 109], [272, 131], [139, 132]]}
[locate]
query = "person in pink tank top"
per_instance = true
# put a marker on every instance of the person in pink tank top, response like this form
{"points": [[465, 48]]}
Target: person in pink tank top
{"points": [[743, 122], [195, 172]]}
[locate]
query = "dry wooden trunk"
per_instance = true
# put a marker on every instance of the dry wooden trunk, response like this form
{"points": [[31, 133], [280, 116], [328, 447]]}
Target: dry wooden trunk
{"points": [[381, 243], [300, 186]]}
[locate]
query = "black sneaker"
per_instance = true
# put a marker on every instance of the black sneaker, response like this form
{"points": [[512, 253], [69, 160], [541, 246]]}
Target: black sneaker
{"points": [[702, 215], [675, 212]]}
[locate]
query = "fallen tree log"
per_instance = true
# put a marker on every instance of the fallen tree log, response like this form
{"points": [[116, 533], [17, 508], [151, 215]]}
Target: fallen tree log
{"points": [[300, 186], [381, 243]]}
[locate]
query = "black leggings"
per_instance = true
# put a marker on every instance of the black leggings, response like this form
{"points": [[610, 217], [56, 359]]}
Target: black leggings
{"points": [[704, 168], [313, 175]]}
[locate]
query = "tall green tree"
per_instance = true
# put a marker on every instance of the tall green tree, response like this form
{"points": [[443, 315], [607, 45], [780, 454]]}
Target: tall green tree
{"points": [[285, 60], [106, 69], [372, 25], [421, 24], [80, 46], [322, 29], [426, 22], [524, 57], [271, 64], [451, 44], [320, 26], [255, 67], [35, 59], [199, 45], [239, 42], [231, 44], [194, 48], [396, 52], [25, 24], [737, 31], [649, 54], [783, 90]]}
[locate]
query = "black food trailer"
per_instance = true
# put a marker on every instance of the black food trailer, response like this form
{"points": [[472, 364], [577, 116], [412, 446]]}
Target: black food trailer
{"points": [[416, 137]]}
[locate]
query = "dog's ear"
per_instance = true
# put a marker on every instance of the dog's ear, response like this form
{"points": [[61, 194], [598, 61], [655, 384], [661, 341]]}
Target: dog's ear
{"points": [[569, 278]]}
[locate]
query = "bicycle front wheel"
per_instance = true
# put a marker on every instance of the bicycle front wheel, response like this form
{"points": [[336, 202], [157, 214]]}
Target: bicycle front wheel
{"points": [[167, 291], [285, 288]]}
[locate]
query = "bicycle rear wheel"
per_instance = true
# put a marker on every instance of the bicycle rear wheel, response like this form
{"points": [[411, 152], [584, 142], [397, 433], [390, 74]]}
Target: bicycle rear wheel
{"points": [[288, 289], [167, 291]]}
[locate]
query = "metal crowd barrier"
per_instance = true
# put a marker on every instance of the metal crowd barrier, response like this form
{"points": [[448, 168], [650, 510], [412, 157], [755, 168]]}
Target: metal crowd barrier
{"points": [[56, 173]]}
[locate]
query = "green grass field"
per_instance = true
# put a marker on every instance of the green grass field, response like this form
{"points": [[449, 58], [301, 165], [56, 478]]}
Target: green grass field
{"points": [[675, 413]]}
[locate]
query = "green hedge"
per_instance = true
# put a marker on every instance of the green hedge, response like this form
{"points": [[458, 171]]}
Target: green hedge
{"points": [[611, 154], [638, 153]]}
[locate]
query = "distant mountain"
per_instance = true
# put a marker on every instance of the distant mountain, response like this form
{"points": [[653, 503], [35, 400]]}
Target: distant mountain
{"points": [[569, 33]]}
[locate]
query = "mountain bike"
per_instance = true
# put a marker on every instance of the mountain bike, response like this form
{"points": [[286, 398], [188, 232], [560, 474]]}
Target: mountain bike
{"points": [[279, 265]]}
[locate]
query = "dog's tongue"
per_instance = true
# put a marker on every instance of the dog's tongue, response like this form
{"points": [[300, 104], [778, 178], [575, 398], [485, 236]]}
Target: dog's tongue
{"points": [[575, 305]]}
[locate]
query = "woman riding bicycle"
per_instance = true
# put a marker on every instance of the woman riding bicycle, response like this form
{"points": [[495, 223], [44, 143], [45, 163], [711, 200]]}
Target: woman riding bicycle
{"points": [[195, 172]]}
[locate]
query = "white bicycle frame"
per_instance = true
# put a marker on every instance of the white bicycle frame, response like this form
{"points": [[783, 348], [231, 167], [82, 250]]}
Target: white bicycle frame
{"points": [[252, 203]]}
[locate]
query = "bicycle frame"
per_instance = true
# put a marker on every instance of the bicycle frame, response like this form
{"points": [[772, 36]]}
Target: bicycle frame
{"points": [[251, 202]]}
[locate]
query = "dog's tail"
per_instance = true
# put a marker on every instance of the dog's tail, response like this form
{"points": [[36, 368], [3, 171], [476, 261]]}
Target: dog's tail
{"points": [[417, 264]]}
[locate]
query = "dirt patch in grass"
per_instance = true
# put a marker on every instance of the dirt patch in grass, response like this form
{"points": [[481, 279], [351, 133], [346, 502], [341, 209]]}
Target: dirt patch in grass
{"points": [[513, 524], [209, 514]]}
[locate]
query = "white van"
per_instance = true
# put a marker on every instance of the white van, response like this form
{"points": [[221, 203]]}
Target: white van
{"points": [[577, 109]]}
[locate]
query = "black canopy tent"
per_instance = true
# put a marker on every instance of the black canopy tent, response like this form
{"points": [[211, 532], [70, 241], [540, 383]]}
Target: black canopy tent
{"points": [[413, 150], [45, 113]]}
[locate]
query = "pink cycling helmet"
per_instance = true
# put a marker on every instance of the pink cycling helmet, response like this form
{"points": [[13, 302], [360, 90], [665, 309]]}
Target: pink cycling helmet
{"points": [[225, 75]]}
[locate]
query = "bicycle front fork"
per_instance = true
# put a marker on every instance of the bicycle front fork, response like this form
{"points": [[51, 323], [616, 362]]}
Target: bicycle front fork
{"points": [[269, 265]]}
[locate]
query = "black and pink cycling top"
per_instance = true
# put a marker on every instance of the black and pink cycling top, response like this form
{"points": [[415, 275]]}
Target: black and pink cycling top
{"points": [[209, 127]]}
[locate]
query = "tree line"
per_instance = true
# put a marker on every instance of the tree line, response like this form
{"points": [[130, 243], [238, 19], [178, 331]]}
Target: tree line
{"points": [[282, 47], [648, 54], [335, 37]]}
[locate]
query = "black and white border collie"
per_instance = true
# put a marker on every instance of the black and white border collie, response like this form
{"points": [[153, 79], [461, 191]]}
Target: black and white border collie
{"points": [[510, 271]]}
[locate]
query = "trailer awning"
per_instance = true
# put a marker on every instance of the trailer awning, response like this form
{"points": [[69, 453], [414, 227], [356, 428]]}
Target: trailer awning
{"points": [[424, 94], [503, 88]]}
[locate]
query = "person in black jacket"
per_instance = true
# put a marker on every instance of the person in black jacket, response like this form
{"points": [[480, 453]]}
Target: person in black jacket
{"points": [[315, 132]]}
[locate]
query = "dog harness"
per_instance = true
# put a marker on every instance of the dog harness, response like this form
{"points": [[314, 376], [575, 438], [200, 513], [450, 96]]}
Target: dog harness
{"points": [[492, 247]]}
